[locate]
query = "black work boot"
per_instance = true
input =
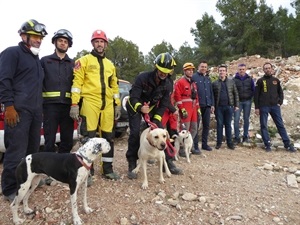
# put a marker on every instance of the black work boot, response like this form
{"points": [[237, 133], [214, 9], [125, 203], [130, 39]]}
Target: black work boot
{"points": [[173, 169], [182, 152], [108, 172], [131, 166]]}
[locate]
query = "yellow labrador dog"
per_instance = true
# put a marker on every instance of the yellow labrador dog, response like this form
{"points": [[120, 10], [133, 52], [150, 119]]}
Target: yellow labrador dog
{"points": [[153, 142]]}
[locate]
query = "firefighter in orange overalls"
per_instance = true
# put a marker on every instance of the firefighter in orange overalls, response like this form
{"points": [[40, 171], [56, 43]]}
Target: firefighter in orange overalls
{"points": [[186, 98]]}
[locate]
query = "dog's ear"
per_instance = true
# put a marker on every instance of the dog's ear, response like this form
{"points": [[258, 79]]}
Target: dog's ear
{"points": [[149, 138], [168, 135], [84, 140], [98, 146], [174, 136]]}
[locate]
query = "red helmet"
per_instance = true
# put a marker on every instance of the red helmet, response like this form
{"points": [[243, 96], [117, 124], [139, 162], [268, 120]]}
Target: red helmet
{"points": [[99, 34]]}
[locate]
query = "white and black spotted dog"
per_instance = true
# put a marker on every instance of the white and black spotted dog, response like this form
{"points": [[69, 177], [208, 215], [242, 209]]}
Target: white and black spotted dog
{"points": [[70, 168], [184, 139]]}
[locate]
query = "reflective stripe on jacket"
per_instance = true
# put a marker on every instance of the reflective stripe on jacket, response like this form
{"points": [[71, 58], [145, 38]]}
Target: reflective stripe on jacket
{"points": [[145, 90], [58, 79]]}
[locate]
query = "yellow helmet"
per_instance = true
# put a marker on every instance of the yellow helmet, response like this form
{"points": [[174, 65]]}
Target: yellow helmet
{"points": [[188, 65], [165, 62], [33, 27]]}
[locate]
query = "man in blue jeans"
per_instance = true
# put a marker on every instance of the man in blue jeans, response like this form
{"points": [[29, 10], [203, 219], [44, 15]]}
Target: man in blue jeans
{"points": [[226, 102], [268, 98], [245, 85]]}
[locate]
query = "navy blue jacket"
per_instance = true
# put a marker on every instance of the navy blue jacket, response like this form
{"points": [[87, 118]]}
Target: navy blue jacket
{"points": [[58, 79], [245, 86], [204, 89], [21, 78]]}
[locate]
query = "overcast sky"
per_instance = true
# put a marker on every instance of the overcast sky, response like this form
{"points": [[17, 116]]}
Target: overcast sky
{"points": [[144, 22]]}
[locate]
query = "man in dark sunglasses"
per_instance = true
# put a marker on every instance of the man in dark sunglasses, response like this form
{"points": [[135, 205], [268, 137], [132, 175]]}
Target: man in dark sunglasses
{"points": [[21, 81]]}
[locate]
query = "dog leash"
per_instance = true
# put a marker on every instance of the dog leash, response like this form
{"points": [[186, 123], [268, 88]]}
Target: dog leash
{"points": [[171, 151]]}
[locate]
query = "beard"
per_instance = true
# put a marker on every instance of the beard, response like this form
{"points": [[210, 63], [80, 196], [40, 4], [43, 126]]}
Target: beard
{"points": [[99, 51], [61, 50]]}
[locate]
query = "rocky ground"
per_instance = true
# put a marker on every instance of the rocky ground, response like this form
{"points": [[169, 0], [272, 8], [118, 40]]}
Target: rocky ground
{"points": [[242, 186]]}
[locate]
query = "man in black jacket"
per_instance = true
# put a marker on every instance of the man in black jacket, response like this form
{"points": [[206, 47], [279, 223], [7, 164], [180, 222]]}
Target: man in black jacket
{"points": [[21, 81], [58, 68], [268, 98], [226, 102], [245, 85], [153, 88]]}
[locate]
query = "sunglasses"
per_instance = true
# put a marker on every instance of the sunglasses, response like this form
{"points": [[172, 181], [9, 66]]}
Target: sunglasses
{"points": [[63, 32]]}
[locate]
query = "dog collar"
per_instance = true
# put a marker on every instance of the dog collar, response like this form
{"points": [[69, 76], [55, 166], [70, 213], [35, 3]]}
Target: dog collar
{"points": [[83, 163]]}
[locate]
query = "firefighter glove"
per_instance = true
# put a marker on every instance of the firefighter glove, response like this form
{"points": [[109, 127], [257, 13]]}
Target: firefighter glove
{"points": [[117, 112], [184, 113], [199, 112], [74, 112], [11, 116]]}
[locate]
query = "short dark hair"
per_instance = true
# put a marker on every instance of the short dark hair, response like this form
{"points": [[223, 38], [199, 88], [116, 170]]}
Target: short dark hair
{"points": [[267, 64], [222, 65], [241, 64]]}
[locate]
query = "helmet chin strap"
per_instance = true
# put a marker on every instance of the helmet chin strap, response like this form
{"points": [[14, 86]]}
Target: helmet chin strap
{"points": [[27, 40], [34, 50], [59, 49], [159, 77]]}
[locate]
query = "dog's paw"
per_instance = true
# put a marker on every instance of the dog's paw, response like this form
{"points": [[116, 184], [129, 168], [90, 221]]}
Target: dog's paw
{"points": [[19, 221], [88, 210], [162, 180], [135, 170], [168, 174], [77, 221], [145, 185], [28, 210]]}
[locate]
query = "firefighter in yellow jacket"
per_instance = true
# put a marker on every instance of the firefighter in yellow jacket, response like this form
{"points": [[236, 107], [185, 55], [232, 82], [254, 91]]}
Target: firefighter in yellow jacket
{"points": [[95, 89]]}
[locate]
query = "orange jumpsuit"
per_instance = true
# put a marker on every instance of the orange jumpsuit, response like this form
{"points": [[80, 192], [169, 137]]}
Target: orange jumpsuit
{"points": [[186, 97]]}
